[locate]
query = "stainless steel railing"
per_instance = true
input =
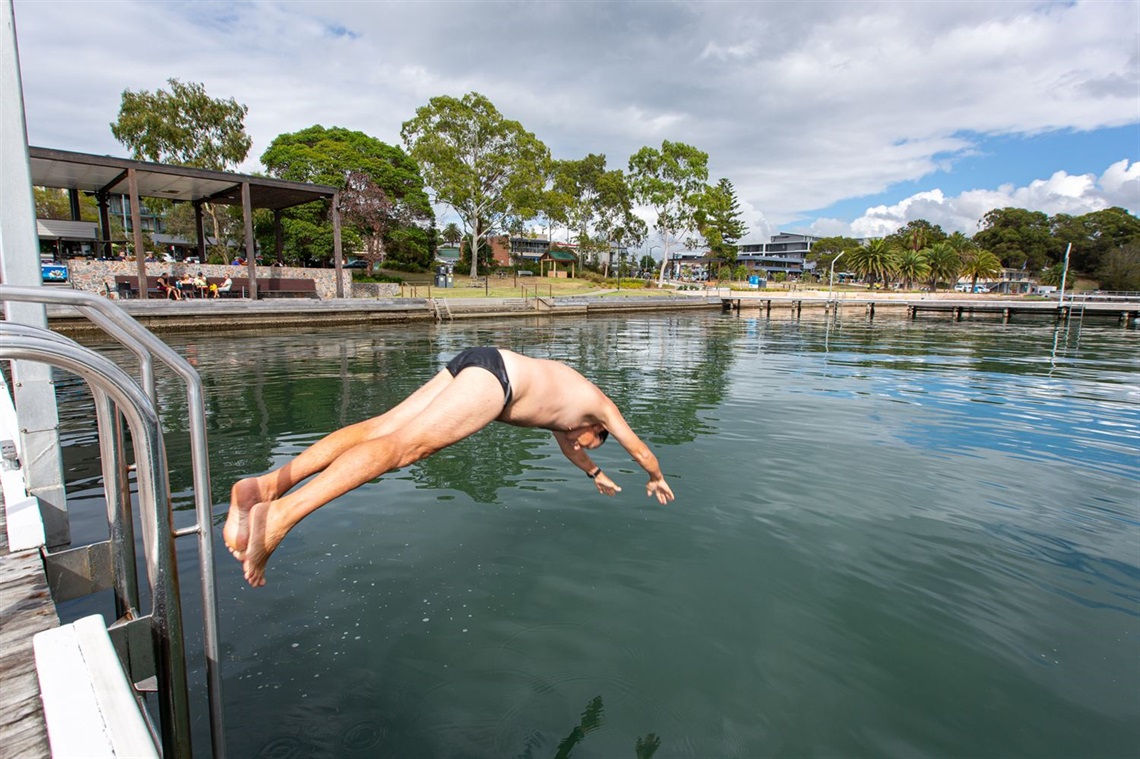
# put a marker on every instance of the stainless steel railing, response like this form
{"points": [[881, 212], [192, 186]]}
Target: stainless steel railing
{"points": [[115, 393]]}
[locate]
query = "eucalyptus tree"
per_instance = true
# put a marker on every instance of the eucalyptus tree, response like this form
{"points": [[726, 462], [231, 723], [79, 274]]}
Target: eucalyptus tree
{"points": [[827, 249], [184, 127], [981, 264], [486, 167], [596, 204], [386, 209], [944, 263], [671, 181], [877, 259]]}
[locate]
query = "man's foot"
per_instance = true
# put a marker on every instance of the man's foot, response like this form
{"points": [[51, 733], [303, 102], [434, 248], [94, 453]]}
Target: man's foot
{"points": [[243, 496], [262, 538]]}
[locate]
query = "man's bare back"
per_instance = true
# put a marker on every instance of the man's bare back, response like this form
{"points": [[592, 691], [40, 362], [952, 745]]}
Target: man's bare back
{"points": [[537, 393]]}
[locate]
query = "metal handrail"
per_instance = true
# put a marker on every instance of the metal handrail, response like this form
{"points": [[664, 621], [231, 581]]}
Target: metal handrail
{"points": [[109, 383], [146, 347]]}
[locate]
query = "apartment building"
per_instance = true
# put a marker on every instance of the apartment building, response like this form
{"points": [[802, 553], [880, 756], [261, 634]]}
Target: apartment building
{"points": [[784, 252]]}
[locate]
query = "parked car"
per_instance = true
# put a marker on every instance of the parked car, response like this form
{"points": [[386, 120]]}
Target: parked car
{"points": [[357, 264]]}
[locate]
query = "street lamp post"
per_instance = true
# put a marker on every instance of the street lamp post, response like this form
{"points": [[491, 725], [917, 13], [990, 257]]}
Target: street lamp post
{"points": [[831, 281]]}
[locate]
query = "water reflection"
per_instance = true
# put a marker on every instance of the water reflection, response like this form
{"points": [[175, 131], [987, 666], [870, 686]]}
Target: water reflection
{"points": [[592, 718]]}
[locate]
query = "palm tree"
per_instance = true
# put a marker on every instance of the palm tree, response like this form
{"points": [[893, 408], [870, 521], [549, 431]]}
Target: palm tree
{"points": [[452, 233], [912, 265], [981, 264], [877, 260], [944, 262], [960, 243]]}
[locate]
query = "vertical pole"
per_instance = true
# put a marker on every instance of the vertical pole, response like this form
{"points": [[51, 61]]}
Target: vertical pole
{"points": [[338, 254], [200, 231], [136, 228], [1064, 274], [104, 222], [278, 238], [32, 389], [250, 249]]}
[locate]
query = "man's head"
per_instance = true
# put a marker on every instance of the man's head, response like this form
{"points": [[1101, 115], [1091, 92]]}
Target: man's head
{"points": [[589, 437]]}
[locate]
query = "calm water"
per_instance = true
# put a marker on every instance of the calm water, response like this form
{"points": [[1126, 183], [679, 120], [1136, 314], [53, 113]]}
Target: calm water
{"points": [[894, 539]]}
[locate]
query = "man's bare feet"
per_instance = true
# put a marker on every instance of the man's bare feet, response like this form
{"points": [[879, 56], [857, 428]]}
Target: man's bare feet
{"points": [[263, 535], [243, 496]]}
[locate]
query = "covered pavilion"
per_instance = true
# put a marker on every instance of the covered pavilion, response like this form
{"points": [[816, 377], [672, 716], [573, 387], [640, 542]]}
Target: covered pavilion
{"points": [[555, 256], [103, 176]]}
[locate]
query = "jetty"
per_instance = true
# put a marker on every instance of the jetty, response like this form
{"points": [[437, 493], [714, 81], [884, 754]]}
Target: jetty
{"points": [[1125, 310]]}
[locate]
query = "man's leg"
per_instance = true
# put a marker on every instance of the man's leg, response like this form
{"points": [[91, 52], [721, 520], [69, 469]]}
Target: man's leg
{"points": [[465, 405], [271, 485]]}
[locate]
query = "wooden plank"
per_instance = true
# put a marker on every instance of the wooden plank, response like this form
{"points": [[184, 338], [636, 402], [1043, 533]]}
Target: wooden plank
{"points": [[26, 608]]}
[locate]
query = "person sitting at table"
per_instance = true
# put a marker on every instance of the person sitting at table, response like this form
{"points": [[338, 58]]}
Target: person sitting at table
{"points": [[200, 284], [227, 283], [167, 289], [185, 285]]}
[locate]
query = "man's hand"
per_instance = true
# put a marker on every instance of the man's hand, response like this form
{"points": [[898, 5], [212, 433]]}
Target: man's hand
{"points": [[659, 488], [605, 485]]}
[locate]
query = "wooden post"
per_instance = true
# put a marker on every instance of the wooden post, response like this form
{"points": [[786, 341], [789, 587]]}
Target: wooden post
{"points": [[136, 229], [250, 250]]}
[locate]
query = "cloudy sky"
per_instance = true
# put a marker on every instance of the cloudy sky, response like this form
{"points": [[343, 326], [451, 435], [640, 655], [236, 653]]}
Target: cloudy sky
{"points": [[828, 117]]}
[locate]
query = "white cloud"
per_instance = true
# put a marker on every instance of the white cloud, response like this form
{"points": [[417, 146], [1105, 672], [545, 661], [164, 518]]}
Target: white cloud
{"points": [[801, 105], [1078, 194]]}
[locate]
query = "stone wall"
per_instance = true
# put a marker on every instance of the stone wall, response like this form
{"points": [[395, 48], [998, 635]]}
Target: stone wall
{"points": [[375, 289], [91, 275]]}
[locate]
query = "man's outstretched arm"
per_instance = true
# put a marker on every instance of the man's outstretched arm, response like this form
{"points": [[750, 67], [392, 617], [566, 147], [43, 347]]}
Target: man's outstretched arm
{"points": [[614, 422]]}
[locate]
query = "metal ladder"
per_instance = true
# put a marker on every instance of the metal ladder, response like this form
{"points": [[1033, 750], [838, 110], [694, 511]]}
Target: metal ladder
{"points": [[150, 643]]}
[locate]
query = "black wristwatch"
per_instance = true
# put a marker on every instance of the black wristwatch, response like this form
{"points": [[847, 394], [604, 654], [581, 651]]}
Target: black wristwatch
{"points": [[595, 473]]}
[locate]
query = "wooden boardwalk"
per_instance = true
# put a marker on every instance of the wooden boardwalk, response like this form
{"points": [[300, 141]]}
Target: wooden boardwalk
{"points": [[1125, 312], [26, 608]]}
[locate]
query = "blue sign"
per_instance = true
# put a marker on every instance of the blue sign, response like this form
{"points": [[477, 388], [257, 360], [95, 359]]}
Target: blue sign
{"points": [[54, 272]]}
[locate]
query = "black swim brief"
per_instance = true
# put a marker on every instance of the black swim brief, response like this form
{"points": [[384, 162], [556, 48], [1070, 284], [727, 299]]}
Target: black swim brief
{"points": [[484, 358]]}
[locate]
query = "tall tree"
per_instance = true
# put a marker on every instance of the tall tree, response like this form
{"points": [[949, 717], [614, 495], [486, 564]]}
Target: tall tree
{"points": [[912, 266], [827, 249], [1120, 269], [670, 181], [916, 235], [944, 262], [596, 204], [719, 221], [486, 167], [366, 205], [877, 259], [378, 181], [981, 264], [1106, 230], [452, 233], [184, 127], [1019, 238]]}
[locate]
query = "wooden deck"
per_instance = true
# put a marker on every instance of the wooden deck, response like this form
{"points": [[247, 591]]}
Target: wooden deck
{"points": [[26, 608], [1125, 312]]}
